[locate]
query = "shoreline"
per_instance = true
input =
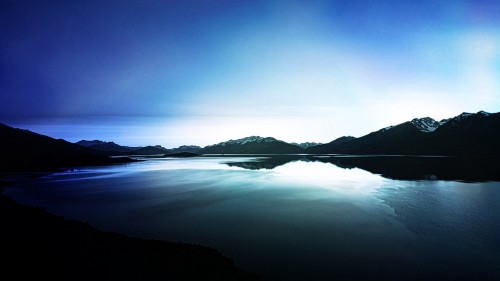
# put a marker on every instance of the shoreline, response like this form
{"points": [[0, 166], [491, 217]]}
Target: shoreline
{"points": [[38, 244]]}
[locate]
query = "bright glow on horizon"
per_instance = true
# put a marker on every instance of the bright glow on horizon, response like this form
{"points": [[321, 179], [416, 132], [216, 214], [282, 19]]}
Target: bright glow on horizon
{"points": [[201, 73]]}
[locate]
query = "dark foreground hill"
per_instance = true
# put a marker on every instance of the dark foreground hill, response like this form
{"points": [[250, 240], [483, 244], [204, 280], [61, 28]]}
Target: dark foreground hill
{"points": [[25, 150], [38, 246]]}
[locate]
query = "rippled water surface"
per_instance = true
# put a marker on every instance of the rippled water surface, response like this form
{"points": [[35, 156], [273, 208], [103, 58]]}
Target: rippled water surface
{"points": [[293, 218]]}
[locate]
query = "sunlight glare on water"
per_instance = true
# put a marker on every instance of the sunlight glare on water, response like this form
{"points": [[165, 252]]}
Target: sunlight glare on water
{"points": [[345, 181], [289, 218]]}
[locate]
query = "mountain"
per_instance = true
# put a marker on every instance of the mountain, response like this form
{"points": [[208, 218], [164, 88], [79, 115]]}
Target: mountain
{"points": [[25, 150], [89, 143], [425, 124], [109, 148], [342, 140], [149, 150], [388, 140], [252, 145], [305, 145], [186, 148], [468, 134], [465, 134], [112, 149]]}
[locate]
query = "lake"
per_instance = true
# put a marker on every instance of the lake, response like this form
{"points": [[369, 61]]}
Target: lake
{"points": [[299, 217]]}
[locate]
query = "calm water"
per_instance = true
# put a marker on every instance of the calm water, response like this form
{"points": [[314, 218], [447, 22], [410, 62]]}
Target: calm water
{"points": [[297, 218]]}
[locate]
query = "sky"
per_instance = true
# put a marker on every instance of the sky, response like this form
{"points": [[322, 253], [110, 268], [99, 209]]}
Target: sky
{"points": [[201, 72]]}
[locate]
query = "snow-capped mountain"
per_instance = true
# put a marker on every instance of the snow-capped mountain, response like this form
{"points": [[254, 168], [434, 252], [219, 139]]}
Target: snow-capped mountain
{"points": [[252, 144], [185, 148], [442, 122], [428, 124], [425, 124], [465, 116], [465, 134], [305, 145], [188, 147], [386, 128], [246, 140]]}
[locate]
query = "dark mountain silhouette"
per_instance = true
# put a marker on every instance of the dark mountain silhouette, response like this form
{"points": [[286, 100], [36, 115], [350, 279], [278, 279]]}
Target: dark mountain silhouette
{"points": [[186, 148], [342, 140], [22, 149], [398, 139], [89, 143], [466, 134], [108, 148], [112, 149], [149, 150], [252, 145], [305, 145]]}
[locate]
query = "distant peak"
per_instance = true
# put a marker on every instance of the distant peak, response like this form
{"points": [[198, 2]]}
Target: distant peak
{"points": [[426, 119], [386, 128], [443, 121], [89, 143], [425, 124], [189, 146], [343, 139], [463, 116], [466, 115], [306, 144], [346, 138], [250, 139]]}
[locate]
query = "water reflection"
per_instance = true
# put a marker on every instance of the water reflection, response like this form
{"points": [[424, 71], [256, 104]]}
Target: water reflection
{"points": [[396, 167], [148, 165], [299, 217], [327, 176]]}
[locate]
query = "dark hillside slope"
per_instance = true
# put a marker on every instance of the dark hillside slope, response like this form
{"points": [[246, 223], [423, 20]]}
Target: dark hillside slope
{"points": [[464, 135], [39, 246], [22, 149], [474, 134], [400, 139]]}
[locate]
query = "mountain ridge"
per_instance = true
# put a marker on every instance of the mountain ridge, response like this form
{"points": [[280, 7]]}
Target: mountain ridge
{"points": [[26, 150], [252, 145], [464, 134], [113, 149]]}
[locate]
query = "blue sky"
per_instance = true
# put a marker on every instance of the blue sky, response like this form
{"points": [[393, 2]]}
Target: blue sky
{"points": [[201, 72]]}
